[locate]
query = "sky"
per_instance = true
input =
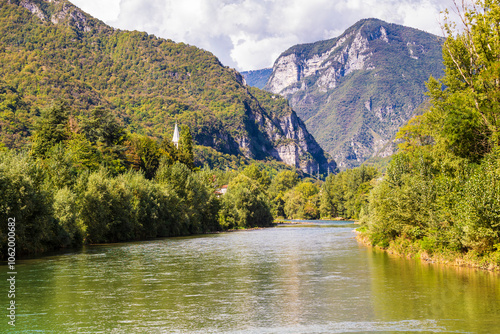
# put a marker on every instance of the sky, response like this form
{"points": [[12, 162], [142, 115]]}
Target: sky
{"points": [[251, 34]]}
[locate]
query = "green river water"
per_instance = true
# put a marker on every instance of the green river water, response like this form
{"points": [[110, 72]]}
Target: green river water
{"points": [[299, 279]]}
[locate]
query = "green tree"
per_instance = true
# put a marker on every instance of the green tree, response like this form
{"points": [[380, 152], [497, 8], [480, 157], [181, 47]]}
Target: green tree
{"points": [[59, 168], [144, 154], [464, 116], [101, 127], [185, 153], [103, 130], [302, 202], [346, 193], [24, 198], [66, 213], [244, 205], [254, 173], [280, 184], [51, 128], [105, 209], [84, 155], [197, 200]]}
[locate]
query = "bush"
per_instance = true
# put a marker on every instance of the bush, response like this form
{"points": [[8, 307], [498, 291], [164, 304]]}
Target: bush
{"points": [[23, 197], [244, 205]]}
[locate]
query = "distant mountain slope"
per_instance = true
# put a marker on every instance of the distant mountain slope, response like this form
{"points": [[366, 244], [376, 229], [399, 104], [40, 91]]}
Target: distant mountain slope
{"points": [[257, 78], [49, 49], [355, 91]]}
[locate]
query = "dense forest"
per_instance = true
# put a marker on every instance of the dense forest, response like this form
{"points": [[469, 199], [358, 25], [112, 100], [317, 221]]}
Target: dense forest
{"points": [[440, 197]]}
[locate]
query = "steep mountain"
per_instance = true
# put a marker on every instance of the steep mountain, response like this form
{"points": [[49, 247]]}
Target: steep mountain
{"points": [[50, 49], [356, 90], [257, 78]]}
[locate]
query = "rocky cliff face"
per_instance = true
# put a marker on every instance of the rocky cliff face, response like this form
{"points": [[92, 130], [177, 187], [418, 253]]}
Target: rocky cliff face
{"points": [[59, 12], [151, 83], [356, 90], [274, 130], [293, 144]]}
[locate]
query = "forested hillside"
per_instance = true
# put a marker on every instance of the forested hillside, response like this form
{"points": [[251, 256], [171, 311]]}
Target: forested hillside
{"points": [[440, 197], [50, 50]]}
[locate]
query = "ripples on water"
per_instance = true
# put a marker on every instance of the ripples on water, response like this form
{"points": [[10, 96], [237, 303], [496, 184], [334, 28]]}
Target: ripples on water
{"points": [[282, 280]]}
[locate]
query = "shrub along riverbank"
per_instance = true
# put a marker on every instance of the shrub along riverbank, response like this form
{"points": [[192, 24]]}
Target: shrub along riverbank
{"points": [[54, 209]]}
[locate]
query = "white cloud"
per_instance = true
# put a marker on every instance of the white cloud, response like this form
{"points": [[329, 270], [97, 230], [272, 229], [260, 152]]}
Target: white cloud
{"points": [[250, 34], [104, 10]]}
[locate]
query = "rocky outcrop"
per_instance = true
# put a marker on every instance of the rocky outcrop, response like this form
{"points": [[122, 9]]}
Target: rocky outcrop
{"points": [[286, 139], [33, 8], [355, 91], [297, 147], [60, 12], [286, 72]]}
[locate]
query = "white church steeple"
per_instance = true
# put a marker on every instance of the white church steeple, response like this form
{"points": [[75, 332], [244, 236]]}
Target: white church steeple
{"points": [[175, 139]]}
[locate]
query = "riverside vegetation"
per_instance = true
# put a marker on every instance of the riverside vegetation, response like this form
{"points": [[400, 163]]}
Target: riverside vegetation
{"points": [[86, 180], [440, 197]]}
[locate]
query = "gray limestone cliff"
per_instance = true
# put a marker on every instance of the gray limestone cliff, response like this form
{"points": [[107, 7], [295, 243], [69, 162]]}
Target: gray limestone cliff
{"points": [[355, 91], [60, 12], [279, 133]]}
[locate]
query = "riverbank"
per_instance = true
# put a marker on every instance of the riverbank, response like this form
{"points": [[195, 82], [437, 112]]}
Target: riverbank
{"points": [[310, 222], [413, 250], [297, 222]]}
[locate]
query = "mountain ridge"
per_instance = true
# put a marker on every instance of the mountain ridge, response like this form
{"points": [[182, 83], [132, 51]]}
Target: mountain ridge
{"points": [[354, 91]]}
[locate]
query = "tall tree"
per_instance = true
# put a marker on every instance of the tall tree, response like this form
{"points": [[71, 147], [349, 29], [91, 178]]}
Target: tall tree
{"points": [[51, 128], [104, 131], [245, 205], [186, 147], [101, 126], [466, 111], [144, 153]]}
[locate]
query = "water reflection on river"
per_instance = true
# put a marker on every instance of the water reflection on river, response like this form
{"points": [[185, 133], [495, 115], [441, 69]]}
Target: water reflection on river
{"points": [[282, 280]]}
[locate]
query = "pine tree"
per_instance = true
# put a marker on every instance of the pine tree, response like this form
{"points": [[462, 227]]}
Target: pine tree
{"points": [[186, 147], [50, 129]]}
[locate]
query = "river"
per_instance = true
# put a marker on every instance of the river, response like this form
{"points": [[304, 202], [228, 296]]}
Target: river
{"points": [[297, 279]]}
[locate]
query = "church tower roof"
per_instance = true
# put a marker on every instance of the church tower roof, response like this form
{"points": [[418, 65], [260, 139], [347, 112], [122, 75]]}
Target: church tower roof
{"points": [[175, 139]]}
